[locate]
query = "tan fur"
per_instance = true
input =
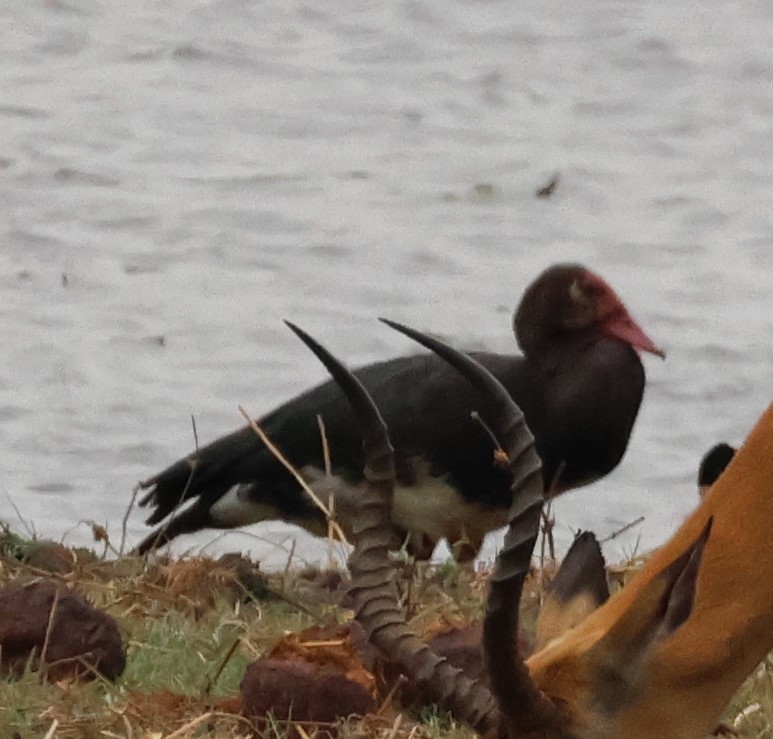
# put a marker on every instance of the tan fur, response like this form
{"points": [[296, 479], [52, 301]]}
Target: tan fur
{"points": [[681, 686], [556, 618]]}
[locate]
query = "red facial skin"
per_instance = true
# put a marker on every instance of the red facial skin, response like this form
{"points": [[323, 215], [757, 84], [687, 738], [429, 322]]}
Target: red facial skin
{"points": [[614, 319]]}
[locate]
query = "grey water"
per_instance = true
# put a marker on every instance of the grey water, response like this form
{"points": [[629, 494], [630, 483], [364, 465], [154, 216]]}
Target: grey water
{"points": [[176, 178]]}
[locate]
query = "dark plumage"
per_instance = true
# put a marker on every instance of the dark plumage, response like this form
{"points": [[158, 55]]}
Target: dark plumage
{"points": [[579, 383], [713, 465]]}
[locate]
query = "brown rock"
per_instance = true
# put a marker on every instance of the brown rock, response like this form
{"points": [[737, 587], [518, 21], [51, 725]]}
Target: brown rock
{"points": [[342, 647], [316, 676], [49, 556], [247, 576], [199, 583], [82, 639], [315, 695]]}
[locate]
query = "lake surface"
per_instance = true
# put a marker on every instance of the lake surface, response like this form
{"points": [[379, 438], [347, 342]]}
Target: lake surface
{"points": [[177, 177]]}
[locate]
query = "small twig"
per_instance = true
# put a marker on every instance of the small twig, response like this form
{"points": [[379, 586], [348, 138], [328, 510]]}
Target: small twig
{"points": [[622, 530], [298, 477], [125, 519], [325, 445], [49, 629], [635, 548], [548, 524], [290, 555], [395, 726], [223, 662], [198, 721], [388, 697], [546, 541], [331, 560], [183, 731], [289, 467], [127, 724], [52, 729], [195, 433], [30, 527], [319, 643], [84, 663], [542, 555], [264, 540], [554, 487], [500, 455]]}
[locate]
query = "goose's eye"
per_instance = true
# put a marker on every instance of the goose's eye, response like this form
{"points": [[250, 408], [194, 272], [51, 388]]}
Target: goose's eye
{"points": [[577, 294]]}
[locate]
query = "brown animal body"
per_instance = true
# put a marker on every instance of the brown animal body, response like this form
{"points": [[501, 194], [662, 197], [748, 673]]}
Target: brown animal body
{"points": [[691, 677]]}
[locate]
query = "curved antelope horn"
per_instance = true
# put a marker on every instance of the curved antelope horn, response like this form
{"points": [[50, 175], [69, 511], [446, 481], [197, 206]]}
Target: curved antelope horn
{"points": [[523, 704], [373, 590]]}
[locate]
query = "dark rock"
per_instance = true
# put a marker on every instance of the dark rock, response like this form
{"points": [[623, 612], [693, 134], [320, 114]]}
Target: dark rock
{"points": [[49, 556], [302, 692], [248, 576], [313, 677], [82, 639]]}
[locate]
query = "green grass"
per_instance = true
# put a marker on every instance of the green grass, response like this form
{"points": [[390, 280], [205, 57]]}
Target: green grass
{"points": [[171, 653], [191, 629]]}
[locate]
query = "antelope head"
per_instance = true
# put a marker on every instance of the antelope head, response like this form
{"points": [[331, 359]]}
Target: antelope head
{"points": [[589, 682]]}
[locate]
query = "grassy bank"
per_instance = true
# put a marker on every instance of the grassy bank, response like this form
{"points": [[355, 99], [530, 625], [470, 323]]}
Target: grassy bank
{"points": [[192, 625]]}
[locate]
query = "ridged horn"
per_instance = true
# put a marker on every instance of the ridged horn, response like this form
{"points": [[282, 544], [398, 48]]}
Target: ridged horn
{"points": [[373, 573], [521, 702]]}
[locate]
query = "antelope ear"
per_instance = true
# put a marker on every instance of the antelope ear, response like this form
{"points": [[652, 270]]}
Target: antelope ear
{"points": [[579, 588], [682, 596], [663, 605]]}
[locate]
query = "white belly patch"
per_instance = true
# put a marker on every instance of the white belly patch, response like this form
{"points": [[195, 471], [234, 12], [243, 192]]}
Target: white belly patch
{"points": [[431, 508]]}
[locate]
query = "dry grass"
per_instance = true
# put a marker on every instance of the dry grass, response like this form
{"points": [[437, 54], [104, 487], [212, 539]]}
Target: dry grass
{"points": [[192, 626]]}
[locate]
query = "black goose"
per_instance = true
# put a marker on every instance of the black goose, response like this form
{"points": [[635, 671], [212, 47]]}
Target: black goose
{"points": [[713, 465], [579, 382]]}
